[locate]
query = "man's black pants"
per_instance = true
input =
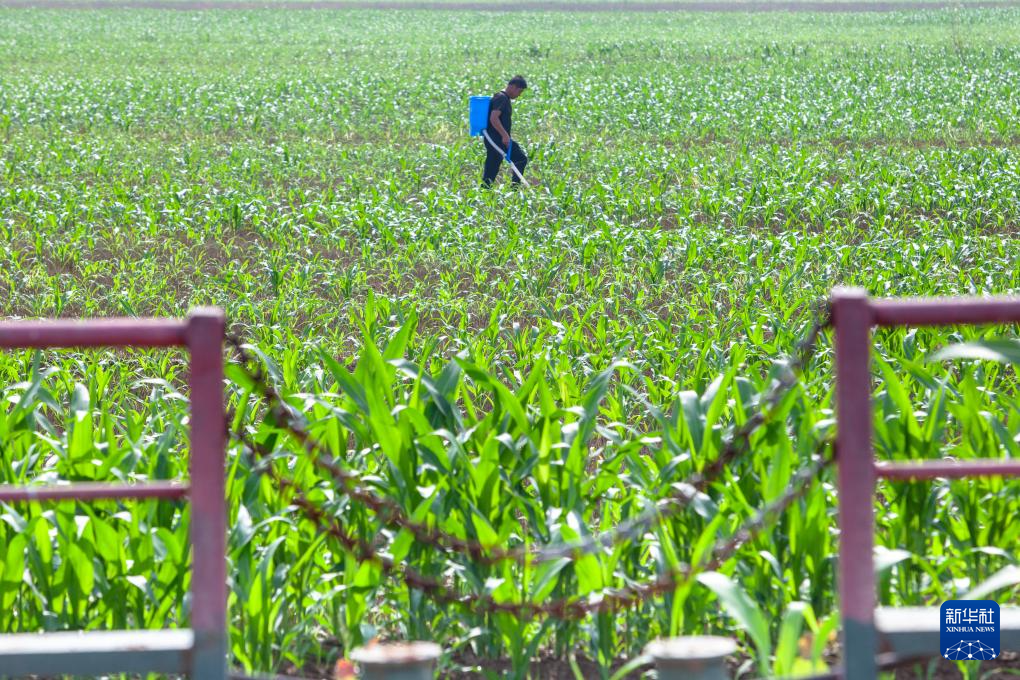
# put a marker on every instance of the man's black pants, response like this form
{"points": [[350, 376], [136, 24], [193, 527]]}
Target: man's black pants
{"points": [[494, 159]]}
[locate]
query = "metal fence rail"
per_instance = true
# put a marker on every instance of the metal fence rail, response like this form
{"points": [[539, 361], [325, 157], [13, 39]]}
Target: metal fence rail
{"points": [[903, 631], [201, 650]]}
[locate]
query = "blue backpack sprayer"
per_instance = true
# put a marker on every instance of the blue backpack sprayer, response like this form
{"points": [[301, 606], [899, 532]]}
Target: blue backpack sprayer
{"points": [[478, 118]]}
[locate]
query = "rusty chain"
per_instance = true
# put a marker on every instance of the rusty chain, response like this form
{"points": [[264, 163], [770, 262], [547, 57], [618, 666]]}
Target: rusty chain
{"points": [[390, 512], [565, 608]]}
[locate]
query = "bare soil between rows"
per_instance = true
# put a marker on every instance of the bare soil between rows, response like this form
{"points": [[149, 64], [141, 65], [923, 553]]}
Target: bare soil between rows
{"points": [[523, 6]]}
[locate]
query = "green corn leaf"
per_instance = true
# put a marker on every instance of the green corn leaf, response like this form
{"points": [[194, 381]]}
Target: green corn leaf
{"points": [[886, 559], [1006, 577], [789, 635], [746, 613], [1001, 351], [81, 567]]}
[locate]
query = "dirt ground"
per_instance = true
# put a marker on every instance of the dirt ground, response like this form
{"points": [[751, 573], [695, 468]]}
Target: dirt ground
{"points": [[1006, 667], [990, 670], [552, 669], [523, 6]]}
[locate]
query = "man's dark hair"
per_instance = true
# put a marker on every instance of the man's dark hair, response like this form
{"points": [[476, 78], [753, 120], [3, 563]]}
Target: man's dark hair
{"points": [[519, 82]]}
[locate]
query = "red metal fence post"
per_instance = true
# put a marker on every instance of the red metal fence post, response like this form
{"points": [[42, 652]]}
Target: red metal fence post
{"points": [[200, 651], [852, 318], [208, 496]]}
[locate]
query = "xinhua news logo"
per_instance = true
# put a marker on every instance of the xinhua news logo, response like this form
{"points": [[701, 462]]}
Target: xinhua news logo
{"points": [[970, 630]]}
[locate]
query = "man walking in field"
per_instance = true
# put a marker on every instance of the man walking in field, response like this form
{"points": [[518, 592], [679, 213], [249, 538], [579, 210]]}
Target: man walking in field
{"points": [[500, 115]]}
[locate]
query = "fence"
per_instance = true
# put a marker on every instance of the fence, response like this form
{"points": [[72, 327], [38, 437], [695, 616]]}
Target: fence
{"points": [[201, 651], [906, 631]]}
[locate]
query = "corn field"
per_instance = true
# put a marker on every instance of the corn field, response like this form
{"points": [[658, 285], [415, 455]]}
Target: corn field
{"points": [[511, 371]]}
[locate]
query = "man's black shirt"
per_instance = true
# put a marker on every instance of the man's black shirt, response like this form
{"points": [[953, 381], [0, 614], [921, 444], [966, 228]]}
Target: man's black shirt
{"points": [[501, 102]]}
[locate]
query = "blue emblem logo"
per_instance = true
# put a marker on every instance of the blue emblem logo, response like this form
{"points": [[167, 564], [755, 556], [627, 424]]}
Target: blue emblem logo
{"points": [[969, 629]]}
